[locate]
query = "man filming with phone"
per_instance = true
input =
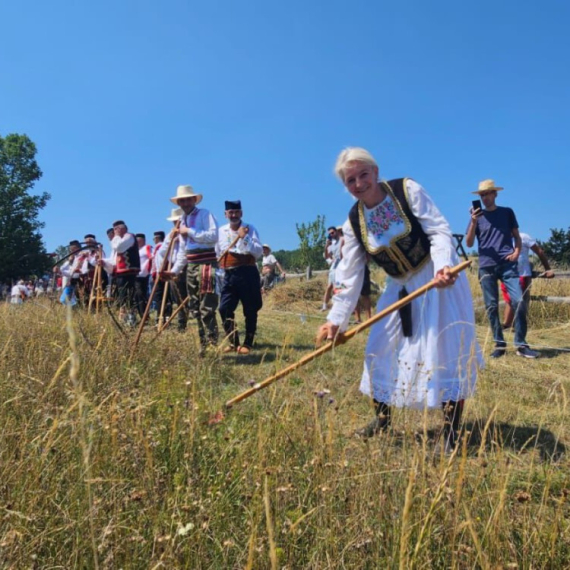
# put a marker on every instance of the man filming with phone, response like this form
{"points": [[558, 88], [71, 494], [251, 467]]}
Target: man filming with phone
{"points": [[496, 228]]}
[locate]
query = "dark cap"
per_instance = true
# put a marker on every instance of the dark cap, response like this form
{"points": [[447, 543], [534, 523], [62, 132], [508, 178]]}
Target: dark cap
{"points": [[159, 234], [75, 242], [87, 236], [141, 236], [119, 223], [233, 205]]}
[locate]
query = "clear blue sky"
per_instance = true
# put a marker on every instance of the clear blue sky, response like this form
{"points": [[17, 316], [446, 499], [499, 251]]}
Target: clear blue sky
{"points": [[253, 100]]}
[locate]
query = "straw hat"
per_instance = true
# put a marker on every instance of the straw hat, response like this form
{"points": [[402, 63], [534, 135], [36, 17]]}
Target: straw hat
{"points": [[175, 214], [186, 192], [265, 245], [487, 186]]}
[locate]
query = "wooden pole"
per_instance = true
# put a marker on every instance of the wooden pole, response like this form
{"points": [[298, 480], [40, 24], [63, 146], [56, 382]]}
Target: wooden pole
{"points": [[163, 266], [341, 339], [174, 313], [227, 250]]}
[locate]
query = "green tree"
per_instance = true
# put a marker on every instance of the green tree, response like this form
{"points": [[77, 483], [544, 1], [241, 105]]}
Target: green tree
{"points": [[22, 252], [312, 237], [557, 247]]}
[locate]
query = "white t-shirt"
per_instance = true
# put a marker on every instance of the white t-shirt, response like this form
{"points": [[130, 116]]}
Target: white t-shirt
{"points": [[525, 269], [269, 260]]}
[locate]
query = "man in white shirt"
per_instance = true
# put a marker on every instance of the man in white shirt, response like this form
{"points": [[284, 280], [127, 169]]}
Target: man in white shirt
{"points": [[141, 283], [197, 236], [241, 276], [124, 265]]}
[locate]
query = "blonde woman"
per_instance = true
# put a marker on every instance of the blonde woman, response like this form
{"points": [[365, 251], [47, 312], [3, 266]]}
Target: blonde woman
{"points": [[425, 356]]}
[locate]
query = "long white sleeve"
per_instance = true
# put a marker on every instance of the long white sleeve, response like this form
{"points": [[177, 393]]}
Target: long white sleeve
{"points": [[434, 225]]}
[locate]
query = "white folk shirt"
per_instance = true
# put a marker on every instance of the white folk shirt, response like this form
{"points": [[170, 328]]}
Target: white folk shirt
{"points": [[159, 255], [349, 274], [250, 244], [75, 267], [145, 254], [203, 234], [118, 245]]}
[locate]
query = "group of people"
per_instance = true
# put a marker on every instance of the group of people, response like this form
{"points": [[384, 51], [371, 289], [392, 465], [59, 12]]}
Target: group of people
{"points": [[203, 268], [425, 355]]}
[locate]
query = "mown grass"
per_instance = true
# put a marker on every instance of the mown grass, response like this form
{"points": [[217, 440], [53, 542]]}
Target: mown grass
{"points": [[106, 463]]}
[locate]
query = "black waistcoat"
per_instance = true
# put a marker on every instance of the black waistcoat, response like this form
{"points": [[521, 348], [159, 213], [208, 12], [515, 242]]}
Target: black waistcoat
{"points": [[408, 251]]}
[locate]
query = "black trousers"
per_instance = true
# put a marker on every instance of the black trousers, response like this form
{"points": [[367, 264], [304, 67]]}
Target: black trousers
{"points": [[241, 284], [141, 293], [126, 290]]}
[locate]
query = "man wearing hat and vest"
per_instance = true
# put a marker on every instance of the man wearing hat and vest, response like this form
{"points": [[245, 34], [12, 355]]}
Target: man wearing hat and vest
{"points": [[495, 228], [241, 278], [198, 235], [124, 264], [177, 291]]}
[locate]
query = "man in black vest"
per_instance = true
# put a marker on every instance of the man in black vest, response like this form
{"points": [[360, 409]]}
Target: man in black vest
{"points": [[124, 265]]}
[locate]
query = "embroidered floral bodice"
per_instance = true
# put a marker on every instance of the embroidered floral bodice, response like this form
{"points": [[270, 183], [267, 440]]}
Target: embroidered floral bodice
{"points": [[383, 222]]}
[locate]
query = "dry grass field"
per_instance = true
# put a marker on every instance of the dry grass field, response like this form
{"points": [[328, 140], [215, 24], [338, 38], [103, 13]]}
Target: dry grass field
{"points": [[106, 463]]}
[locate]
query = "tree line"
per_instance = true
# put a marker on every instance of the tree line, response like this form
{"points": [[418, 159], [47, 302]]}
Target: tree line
{"points": [[23, 254]]}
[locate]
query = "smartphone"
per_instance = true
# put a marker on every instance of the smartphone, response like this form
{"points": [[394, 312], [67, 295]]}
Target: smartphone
{"points": [[476, 204]]}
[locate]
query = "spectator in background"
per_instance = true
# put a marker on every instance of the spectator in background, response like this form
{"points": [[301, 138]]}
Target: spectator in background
{"points": [[496, 228], [332, 255], [525, 276], [268, 264]]}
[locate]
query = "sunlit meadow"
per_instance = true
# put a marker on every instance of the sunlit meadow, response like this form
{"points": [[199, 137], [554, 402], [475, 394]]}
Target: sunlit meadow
{"points": [[108, 461]]}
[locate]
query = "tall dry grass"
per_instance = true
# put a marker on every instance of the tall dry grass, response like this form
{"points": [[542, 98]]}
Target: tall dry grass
{"points": [[106, 463]]}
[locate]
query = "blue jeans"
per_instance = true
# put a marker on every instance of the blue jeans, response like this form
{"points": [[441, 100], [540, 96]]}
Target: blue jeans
{"points": [[489, 277]]}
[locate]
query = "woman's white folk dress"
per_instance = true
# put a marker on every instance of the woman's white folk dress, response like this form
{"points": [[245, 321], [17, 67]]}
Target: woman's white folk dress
{"points": [[439, 362]]}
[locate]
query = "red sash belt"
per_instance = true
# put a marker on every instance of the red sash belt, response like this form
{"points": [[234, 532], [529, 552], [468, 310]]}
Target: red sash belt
{"points": [[201, 255], [231, 259]]}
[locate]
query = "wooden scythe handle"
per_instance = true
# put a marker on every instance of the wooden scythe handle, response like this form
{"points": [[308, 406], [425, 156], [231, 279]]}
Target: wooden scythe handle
{"points": [[162, 268], [342, 338]]}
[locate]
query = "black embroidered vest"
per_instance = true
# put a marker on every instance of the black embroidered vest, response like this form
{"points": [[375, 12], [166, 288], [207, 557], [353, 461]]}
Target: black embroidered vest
{"points": [[408, 251], [129, 262]]}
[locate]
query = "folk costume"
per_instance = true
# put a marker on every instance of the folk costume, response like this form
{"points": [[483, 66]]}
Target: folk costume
{"points": [[73, 271], [143, 278], [177, 290], [198, 254], [241, 280], [124, 265], [428, 354]]}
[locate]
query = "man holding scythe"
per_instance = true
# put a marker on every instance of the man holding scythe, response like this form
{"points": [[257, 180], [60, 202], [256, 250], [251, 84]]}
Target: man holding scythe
{"points": [[238, 249], [197, 235]]}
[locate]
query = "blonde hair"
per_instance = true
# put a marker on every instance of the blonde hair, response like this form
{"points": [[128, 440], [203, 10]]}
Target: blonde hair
{"points": [[352, 154]]}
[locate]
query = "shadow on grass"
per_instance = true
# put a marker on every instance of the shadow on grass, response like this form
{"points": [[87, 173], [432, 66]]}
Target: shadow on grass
{"points": [[552, 352], [507, 436], [516, 438]]}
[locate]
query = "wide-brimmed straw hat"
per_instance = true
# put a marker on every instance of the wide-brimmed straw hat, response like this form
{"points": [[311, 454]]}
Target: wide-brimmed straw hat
{"points": [[175, 214], [487, 186], [186, 191]]}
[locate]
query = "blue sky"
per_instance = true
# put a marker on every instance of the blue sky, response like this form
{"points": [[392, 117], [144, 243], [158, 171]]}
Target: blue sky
{"points": [[253, 101]]}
